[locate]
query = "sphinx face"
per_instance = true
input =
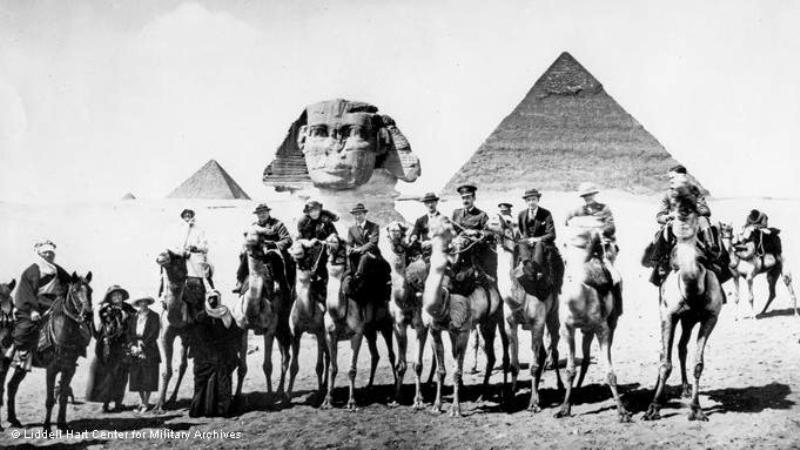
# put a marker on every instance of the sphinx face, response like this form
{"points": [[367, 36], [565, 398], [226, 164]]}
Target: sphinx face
{"points": [[340, 149]]}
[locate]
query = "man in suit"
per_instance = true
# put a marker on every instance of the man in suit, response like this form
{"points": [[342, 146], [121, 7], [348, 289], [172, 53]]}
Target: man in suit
{"points": [[362, 243], [472, 221], [419, 239], [272, 235], [537, 236]]}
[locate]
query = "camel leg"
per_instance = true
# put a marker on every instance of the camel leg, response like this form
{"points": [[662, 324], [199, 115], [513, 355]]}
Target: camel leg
{"points": [[241, 369], [664, 370], [750, 296], [166, 341], [434, 363], [388, 339], [422, 336], [333, 348], [787, 280], [683, 343], [501, 330], [537, 362], [284, 346], [266, 366], [604, 337], [438, 353], [586, 353], [402, 347], [294, 366], [50, 400], [568, 334], [476, 345], [5, 365], [63, 395], [513, 349], [706, 327], [735, 280], [459, 343], [554, 329], [772, 279], [355, 345], [13, 386], [487, 330], [374, 357], [181, 372]]}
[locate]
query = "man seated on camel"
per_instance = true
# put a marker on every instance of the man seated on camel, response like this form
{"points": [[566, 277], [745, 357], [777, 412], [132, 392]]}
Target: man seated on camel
{"points": [[317, 225], [191, 244], [362, 248], [770, 241], [538, 256], [39, 286], [472, 222], [419, 241], [275, 241]]}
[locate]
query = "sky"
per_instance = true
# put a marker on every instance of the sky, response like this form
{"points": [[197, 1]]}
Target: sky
{"points": [[100, 98]]}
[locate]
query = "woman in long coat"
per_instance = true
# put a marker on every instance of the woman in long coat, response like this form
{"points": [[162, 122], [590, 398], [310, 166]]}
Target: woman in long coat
{"points": [[143, 330], [108, 374]]}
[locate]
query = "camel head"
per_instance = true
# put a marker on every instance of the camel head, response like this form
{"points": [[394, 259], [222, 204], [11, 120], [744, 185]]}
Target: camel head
{"points": [[252, 244], [441, 229], [173, 263], [396, 231], [305, 253]]}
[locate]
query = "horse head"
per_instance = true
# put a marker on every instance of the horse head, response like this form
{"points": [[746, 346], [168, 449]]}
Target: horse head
{"points": [[79, 293], [5, 292]]}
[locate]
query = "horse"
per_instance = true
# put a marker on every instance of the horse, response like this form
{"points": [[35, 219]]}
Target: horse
{"points": [[456, 311], [67, 328], [532, 312], [691, 294], [308, 310], [408, 278], [264, 308], [174, 320], [346, 318], [748, 260], [587, 304]]}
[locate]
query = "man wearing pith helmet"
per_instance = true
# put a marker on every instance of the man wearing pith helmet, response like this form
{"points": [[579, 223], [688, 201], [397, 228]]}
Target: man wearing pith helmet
{"points": [[471, 221], [273, 237]]}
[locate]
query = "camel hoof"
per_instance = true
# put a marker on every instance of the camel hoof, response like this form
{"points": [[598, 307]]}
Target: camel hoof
{"points": [[351, 406], [14, 423], [62, 426], [394, 403], [687, 391], [473, 371], [455, 412], [326, 403], [436, 408], [418, 405], [698, 414], [652, 413], [46, 428], [157, 411], [534, 408], [562, 413], [624, 416]]}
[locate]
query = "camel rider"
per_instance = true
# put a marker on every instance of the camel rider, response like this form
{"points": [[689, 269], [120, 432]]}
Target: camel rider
{"points": [[770, 241], [362, 247], [537, 242], [39, 286], [419, 239], [592, 208], [193, 245], [756, 220], [272, 235], [317, 224], [471, 221]]}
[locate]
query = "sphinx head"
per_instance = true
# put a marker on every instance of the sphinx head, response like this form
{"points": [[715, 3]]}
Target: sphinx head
{"points": [[343, 142]]}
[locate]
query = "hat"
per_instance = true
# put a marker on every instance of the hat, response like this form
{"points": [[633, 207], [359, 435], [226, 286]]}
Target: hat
{"points": [[532, 193], [187, 211], [359, 209], [429, 197], [311, 204], [115, 288], [505, 205], [44, 246], [587, 189], [466, 189], [135, 301], [261, 207]]}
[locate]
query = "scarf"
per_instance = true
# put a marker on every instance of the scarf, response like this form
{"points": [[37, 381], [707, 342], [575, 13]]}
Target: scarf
{"points": [[220, 312]]}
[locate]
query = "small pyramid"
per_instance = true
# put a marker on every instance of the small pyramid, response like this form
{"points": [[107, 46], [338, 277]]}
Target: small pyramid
{"points": [[210, 182], [565, 131], [128, 196]]}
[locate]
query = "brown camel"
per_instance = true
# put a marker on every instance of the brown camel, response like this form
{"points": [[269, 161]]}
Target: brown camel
{"points": [[587, 304], [529, 311], [443, 309], [747, 263], [406, 305], [691, 294]]}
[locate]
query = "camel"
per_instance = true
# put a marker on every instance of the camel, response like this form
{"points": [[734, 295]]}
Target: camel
{"points": [[406, 305], [691, 294], [308, 310], [446, 309], [745, 262], [264, 308], [587, 304], [531, 312], [345, 318]]}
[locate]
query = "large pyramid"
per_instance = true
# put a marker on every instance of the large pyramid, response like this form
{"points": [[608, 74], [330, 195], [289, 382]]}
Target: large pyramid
{"points": [[567, 130], [210, 182]]}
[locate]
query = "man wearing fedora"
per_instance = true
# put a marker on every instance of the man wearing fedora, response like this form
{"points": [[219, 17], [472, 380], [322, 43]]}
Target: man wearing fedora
{"points": [[419, 239], [538, 256], [273, 235], [362, 244], [472, 221]]}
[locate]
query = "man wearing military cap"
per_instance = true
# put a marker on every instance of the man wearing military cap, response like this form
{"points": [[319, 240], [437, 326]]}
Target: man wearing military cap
{"points": [[274, 238], [538, 256], [471, 221], [419, 239]]}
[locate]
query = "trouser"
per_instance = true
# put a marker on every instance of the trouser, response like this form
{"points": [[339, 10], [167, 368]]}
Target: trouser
{"points": [[361, 262], [532, 253]]}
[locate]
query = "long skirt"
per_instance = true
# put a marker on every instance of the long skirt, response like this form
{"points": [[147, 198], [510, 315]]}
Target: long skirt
{"points": [[213, 387], [143, 377], [107, 380]]}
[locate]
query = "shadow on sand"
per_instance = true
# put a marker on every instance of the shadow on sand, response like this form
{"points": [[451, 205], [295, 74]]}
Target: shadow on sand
{"points": [[776, 313]]}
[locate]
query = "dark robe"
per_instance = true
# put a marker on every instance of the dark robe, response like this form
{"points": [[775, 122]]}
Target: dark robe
{"points": [[144, 369], [216, 354], [108, 373], [27, 300]]}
